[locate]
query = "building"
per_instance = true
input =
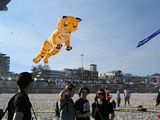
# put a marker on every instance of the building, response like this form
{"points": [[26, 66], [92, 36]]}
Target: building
{"points": [[70, 74], [82, 74], [155, 78], [4, 65], [93, 72], [129, 78], [112, 76], [50, 75]]}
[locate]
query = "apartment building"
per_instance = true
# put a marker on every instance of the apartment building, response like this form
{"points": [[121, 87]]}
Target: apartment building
{"points": [[4, 64]]}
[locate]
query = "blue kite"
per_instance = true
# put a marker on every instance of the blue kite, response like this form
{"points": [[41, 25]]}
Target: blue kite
{"points": [[3, 4], [140, 43]]}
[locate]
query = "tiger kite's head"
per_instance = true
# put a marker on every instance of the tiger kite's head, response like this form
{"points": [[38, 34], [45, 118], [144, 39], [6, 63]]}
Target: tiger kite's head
{"points": [[68, 24]]}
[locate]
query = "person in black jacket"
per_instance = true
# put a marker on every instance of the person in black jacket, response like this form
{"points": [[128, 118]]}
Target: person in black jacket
{"points": [[101, 108]]}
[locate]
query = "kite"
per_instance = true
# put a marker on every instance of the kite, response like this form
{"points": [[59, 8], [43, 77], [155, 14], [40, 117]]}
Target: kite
{"points": [[53, 44], [3, 4], [148, 38]]}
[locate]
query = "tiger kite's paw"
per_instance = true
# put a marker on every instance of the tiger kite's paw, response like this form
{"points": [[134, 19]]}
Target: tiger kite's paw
{"points": [[35, 60], [45, 61], [68, 48], [59, 46]]}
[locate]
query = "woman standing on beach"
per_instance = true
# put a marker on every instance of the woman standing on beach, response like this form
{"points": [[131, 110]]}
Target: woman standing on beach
{"points": [[101, 108], [82, 106]]}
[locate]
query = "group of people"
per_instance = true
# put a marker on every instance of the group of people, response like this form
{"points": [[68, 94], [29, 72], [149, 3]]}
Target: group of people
{"points": [[20, 108], [80, 110], [127, 95]]}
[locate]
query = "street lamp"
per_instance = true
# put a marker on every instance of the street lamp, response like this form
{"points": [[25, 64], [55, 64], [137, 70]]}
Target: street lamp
{"points": [[82, 60], [82, 67]]}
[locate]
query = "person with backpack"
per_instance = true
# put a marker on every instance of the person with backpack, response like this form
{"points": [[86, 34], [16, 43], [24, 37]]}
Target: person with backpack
{"points": [[82, 106], [19, 106], [101, 108], [67, 110]]}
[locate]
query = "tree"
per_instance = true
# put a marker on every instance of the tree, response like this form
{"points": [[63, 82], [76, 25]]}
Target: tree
{"points": [[39, 70]]}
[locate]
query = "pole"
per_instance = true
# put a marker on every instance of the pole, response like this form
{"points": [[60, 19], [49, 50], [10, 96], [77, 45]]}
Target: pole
{"points": [[82, 67], [82, 60]]}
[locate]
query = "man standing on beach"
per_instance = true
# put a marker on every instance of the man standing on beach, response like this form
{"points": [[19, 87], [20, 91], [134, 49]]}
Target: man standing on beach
{"points": [[67, 110], [82, 106], [118, 98], [19, 105], [127, 96]]}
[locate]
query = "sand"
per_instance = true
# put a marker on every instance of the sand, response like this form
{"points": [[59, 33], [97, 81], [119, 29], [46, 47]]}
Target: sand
{"points": [[45, 103]]}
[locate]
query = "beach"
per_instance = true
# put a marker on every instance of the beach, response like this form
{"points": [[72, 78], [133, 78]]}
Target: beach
{"points": [[44, 104]]}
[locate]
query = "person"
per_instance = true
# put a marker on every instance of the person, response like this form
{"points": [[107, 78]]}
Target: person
{"points": [[118, 98], [127, 96], [158, 116], [101, 108], [20, 109], [82, 106], [67, 103], [107, 94], [158, 99]]}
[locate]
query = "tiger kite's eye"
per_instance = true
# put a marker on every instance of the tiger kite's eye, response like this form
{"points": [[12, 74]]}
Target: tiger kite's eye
{"points": [[65, 24], [74, 26]]}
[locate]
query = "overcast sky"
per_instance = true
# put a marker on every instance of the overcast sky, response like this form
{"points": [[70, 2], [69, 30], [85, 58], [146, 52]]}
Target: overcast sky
{"points": [[107, 36]]}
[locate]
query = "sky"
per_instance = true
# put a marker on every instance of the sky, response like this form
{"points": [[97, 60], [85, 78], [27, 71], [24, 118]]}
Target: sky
{"points": [[107, 35]]}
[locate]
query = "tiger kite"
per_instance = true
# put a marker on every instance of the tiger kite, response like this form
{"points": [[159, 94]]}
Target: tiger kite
{"points": [[53, 44]]}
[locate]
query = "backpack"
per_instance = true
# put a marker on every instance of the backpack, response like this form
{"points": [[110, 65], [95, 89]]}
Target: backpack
{"points": [[9, 109], [141, 108], [58, 109], [1, 113], [113, 104]]}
